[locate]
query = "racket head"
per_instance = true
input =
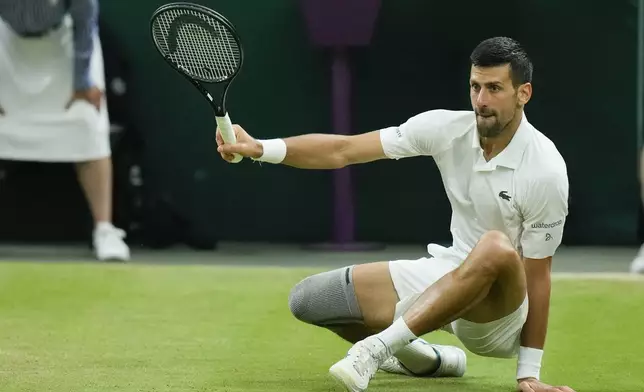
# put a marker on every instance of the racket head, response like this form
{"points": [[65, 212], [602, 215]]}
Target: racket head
{"points": [[197, 41]]}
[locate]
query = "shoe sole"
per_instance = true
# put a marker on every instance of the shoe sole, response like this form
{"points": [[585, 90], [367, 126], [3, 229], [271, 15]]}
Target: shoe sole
{"points": [[113, 257]]}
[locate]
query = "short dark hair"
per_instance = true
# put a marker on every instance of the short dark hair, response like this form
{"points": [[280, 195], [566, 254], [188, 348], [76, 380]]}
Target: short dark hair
{"points": [[500, 51]]}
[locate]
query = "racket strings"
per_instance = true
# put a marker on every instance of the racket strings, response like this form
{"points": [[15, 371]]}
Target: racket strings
{"points": [[197, 43]]}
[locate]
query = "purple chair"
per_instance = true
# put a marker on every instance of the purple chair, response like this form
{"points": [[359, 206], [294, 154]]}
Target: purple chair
{"points": [[339, 25]]}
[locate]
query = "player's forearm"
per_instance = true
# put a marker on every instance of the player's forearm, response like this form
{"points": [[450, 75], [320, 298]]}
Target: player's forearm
{"points": [[536, 326], [533, 335], [315, 151]]}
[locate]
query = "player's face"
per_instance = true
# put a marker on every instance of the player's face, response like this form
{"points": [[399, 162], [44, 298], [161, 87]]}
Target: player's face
{"points": [[495, 100]]}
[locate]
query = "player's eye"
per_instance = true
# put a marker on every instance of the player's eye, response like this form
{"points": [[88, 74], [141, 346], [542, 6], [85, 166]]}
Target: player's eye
{"points": [[495, 88]]}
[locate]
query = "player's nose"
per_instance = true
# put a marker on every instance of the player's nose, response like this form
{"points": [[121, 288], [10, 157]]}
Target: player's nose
{"points": [[482, 98]]}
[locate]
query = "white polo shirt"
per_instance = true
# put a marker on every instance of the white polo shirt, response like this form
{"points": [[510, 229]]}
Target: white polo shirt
{"points": [[523, 191]]}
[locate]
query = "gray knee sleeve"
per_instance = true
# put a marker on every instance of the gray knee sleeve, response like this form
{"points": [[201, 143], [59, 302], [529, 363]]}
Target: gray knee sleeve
{"points": [[326, 299]]}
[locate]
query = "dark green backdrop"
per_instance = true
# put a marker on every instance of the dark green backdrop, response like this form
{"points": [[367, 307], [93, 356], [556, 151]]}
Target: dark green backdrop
{"points": [[584, 100]]}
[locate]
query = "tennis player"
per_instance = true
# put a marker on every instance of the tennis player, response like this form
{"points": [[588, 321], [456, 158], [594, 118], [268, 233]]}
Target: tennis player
{"points": [[508, 188], [52, 107]]}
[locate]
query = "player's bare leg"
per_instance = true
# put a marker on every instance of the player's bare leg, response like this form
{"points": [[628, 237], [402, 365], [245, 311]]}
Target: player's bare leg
{"points": [[489, 285], [359, 301]]}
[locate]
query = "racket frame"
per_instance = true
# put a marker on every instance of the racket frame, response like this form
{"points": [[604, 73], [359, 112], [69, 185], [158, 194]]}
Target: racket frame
{"points": [[221, 114]]}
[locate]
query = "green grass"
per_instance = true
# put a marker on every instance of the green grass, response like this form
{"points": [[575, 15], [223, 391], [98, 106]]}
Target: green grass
{"points": [[127, 328]]}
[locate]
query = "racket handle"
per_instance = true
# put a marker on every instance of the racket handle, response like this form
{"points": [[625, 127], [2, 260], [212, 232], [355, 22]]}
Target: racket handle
{"points": [[228, 133]]}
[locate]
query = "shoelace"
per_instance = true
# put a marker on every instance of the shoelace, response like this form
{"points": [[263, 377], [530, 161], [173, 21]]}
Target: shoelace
{"points": [[366, 362], [393, 365]]}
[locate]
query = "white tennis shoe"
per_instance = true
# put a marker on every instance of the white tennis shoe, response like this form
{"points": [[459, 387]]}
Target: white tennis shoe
{"points": [[360, 365], [637, 266], [452, 361], [109, 244]]}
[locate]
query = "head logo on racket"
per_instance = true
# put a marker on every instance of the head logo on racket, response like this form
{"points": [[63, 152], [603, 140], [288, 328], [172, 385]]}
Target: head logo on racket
{"points": [[204, 47]]}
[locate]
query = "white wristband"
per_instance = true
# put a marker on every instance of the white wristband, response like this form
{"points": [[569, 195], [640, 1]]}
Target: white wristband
{"points": [[529, 364], [274, 151]]}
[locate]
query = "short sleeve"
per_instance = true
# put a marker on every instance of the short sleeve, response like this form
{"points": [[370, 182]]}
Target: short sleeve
{"points": [[544, 212], [426, 134]]}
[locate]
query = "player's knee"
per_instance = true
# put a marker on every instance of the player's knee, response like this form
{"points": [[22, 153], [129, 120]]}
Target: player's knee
{"points": [[498, 251], [324, 299], [299, 299]]}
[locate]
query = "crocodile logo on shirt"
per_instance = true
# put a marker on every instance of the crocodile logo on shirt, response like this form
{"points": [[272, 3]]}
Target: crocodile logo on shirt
{"points": [[504, 195]]}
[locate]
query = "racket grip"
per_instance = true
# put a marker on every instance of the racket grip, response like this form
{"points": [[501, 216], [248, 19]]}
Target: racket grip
{"points": [[228, 134]]}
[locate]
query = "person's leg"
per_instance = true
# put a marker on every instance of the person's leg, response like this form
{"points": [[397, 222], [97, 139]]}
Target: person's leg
{"points": [[489, 285], [95, 178], [354, 302], [358, 301]]}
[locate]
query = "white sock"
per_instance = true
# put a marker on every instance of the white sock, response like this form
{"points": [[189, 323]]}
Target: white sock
{"points": [[396, 336], [103, 225]]}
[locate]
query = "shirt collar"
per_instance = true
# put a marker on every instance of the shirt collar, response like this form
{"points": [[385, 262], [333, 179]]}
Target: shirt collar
{"points": [[511, 155]]}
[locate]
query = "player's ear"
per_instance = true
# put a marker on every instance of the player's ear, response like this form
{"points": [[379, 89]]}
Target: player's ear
{"points": [[524, 93]]}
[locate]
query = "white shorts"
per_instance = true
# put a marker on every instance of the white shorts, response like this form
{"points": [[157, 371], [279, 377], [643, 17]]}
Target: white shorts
{"points": [[499, 339]]}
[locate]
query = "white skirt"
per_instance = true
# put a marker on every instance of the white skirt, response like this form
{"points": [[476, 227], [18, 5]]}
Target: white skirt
{"points": [[36, 83]]}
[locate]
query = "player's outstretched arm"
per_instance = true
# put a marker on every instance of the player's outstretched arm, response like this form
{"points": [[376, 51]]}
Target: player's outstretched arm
{"points": [[545, 209], [311, 151]]}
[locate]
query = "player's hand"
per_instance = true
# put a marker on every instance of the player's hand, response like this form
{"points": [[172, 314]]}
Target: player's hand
{"points": [[534, 385], [93, 95], [246, 145]]}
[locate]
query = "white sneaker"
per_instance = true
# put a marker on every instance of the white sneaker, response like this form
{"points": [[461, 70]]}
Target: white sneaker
{"points": [[637, 265], [108, 243], [452, 361], [360, 365], [393, 365]]}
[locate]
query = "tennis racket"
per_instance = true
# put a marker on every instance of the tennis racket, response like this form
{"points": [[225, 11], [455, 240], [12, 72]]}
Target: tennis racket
{"points": [[204, 47]]}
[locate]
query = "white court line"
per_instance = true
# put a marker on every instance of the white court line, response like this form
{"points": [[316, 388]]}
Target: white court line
{"points": [[615, 276]]}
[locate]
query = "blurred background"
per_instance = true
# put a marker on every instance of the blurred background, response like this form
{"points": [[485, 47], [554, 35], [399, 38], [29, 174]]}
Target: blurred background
{"points": [[171, 188]]}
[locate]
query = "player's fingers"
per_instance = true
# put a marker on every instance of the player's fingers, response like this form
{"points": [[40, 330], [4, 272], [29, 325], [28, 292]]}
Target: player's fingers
{"points": [[238, 130], [524, 387], [218, 137], [237, 148], [566, 389], [228, 157]]}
